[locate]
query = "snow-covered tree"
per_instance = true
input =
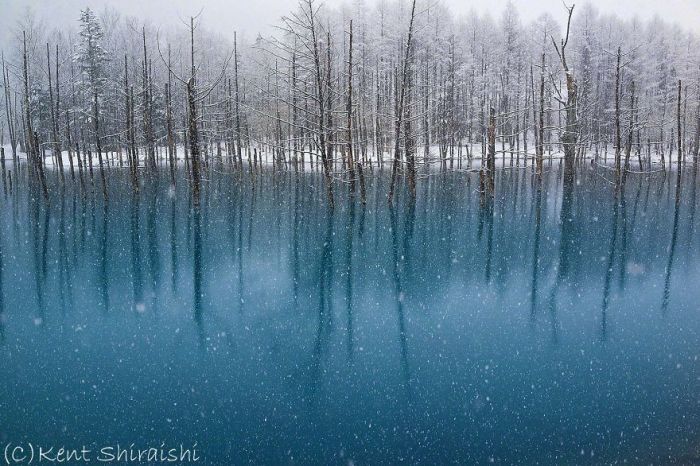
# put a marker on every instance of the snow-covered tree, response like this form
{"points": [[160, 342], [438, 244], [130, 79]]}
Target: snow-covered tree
{"points": [[91, 58]]}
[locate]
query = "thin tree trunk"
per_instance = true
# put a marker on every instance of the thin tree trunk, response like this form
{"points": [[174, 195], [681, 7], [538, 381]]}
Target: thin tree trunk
{"points": [[400, 108], [32, 148], [491, 163], [680, 136], [628, 148], [540, 139], [618, 137], [351, 161], [54, 120]]}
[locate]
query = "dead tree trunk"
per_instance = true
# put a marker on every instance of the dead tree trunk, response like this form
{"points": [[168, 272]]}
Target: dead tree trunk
{"points": [[491, 163], [130, 154], [147, 108], [630, 135], [409, 142], [351, 162], [696, 142], [321, 104], [618, 137], [12, 130], [169, 129], [680, 135], [32, 148], [400, 107], [540, 127], [569, 136], [329, 102], [293, 131], [193, 132], [56, 144], [193, 135], [169, 122], [238, 114], [98, 142], [58, 118]]}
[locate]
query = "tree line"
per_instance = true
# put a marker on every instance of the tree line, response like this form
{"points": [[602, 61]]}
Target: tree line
{"points": [[402, 86]]}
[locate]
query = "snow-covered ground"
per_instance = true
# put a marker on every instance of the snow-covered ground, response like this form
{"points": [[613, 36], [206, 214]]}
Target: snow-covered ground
{"points": [[503, 159]]}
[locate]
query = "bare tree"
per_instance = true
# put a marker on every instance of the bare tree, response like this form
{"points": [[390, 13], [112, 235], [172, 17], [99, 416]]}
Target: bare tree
{"points": [[569, 135], [31, 137], [400, 106]]}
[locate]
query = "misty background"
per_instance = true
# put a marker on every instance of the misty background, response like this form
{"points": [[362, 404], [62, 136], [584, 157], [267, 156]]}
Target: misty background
{"points": [[252, 17]]}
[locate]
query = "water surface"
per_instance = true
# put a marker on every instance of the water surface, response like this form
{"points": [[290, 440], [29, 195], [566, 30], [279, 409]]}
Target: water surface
{"points": [[551, 326]]}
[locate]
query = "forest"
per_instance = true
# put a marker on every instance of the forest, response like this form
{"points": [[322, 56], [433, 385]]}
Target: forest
{"points": [[398, 87]]}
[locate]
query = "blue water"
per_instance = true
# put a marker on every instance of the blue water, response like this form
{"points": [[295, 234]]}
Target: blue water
{"points": [[551, 326]]}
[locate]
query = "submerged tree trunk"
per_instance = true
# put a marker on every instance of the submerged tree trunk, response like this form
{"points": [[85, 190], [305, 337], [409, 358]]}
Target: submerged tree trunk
{"points": [[169, 128], [540, 128], [321, 105], [32, 147], [54, 117], [351, 162], [680, 135], [172, 149], [193, 137], [618, 137], [12, 130], [147, 109], [491, 163], [630, 134], [193, 131], [569, 137], [98, 144], [400, 106], [238, 114]]}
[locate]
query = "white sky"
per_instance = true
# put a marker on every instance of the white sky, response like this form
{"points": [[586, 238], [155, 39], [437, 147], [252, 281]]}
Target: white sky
{"points": [[253, 16]]}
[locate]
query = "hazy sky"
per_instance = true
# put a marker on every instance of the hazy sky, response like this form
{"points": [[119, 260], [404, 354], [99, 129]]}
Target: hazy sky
{"points": [[252, 16]]}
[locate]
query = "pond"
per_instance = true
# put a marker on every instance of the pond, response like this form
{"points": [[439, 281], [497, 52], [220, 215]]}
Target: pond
{"points": [[550, 325]]}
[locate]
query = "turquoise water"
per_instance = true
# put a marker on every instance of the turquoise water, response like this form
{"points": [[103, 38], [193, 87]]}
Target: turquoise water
{"points": [[548, 327]]}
